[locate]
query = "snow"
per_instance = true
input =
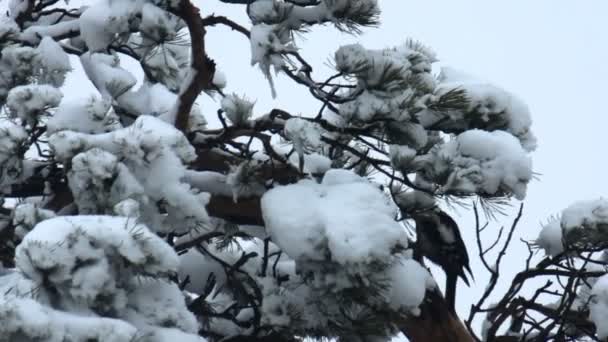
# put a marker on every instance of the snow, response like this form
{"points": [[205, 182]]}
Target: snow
{"points": [[151, 99], [351, 58], [127, 208], [294, 17], [169, 67], [12, 136], [242, 181], [491, 103], [305, 135], [208, 181], [105, 73], [584, 293], [336, 235], [487, 162], [198, 267], [17, 64], [98, 239], [300, 200], [289, 16], [370, 66], [167, 63], [287, 306], [401, 156], [92, 115], [414, 200], [599, 306], [314, 163], [409, 282], [8, 27], [341, 176], [282, 303], [14, 284], [158, 101], [156, 310], [91, 265], [365, 107], [25, 319], [27, 215], [219, 79], [158, 24], [267, 47], [172, 334], [99, 182], [29, 102], [385, 78], [106, 20], [16, 7], [238, 109], [150, 149], [349, 222], [33, 34], [588, 216], [550, 238], [160, 303], [54, 61]]}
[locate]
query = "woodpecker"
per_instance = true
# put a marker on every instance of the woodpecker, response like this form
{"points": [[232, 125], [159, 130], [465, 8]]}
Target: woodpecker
{"points": [[438, 239]]}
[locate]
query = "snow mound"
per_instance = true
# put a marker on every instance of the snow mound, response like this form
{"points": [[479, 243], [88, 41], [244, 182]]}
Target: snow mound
{"points": [[582, 223], [491, 163], [78, 253], [149, 149], [94, 115], [24, 319], [409, 282], [349, 222], [29, 102], [488, 106]]}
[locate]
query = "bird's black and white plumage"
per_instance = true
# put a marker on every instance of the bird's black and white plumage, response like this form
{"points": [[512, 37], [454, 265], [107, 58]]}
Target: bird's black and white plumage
{"points": [[439, 240]]}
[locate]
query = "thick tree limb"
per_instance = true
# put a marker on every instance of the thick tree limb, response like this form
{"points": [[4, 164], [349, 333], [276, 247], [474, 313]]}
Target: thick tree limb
{"points": [[202, 68], [244, 211]]}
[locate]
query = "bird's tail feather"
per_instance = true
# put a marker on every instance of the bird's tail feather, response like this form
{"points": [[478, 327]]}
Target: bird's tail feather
{"points": [[450, 291], [464, 278], [468, 268]]}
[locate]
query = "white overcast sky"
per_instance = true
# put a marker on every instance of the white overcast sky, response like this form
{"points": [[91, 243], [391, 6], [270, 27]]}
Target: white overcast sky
{"points": [[551, 53]]}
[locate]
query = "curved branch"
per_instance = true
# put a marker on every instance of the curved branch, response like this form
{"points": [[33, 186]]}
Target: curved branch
{"points": [[202, 68], [213, 20]]}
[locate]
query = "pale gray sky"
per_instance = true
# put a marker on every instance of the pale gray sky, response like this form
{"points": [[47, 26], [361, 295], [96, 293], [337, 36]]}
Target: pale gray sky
{"points": [[551, 53]]}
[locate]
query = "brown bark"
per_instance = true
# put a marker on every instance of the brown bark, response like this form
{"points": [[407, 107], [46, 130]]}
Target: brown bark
{"points": [[435, 323], [202, 67], [244, 211]]}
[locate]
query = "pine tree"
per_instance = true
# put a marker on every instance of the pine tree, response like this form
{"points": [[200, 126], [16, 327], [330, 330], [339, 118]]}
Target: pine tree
{"points": [[127, 217]]}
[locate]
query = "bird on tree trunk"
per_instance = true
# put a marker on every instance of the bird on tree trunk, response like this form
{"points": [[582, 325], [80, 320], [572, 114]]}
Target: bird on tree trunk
{"points": [[439, 240]]}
